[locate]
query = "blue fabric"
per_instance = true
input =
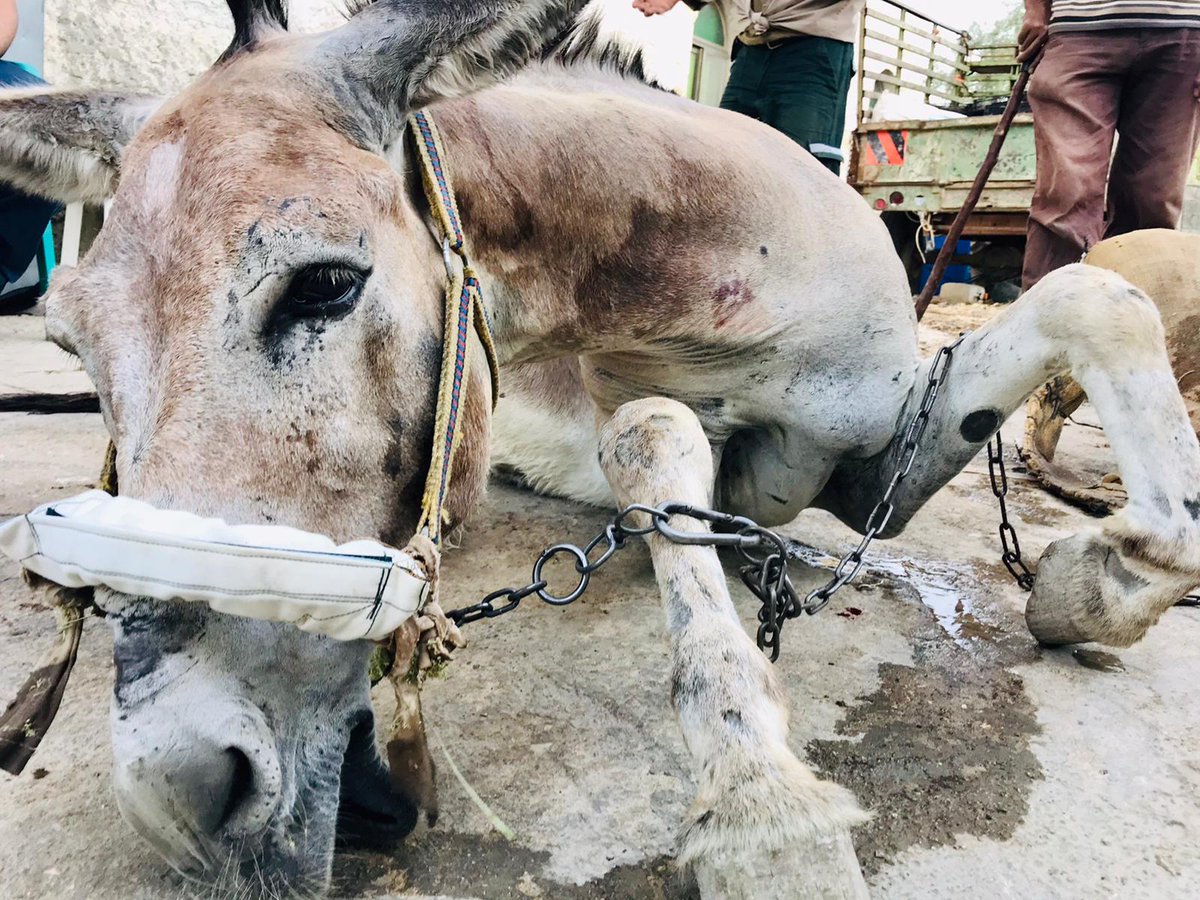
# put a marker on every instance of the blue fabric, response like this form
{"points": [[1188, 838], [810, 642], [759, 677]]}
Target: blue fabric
{"points": [[23, 218]]}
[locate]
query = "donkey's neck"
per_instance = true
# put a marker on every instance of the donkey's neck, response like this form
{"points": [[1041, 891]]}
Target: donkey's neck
{"points": [[582, 211]]}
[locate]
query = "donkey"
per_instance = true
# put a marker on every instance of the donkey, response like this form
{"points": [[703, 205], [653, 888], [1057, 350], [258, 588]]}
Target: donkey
{"points": [[687, 307]]}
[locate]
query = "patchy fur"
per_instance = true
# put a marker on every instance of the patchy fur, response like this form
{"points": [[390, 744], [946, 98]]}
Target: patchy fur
{"points": [[754, 797]]}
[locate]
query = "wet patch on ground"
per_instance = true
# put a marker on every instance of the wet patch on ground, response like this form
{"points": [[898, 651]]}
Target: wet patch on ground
{"points": [[491, 868], [954, 592], [939, 749]]}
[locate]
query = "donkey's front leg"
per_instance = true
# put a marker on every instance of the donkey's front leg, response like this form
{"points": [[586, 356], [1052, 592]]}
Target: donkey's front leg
{"points": [[762, 825], [1106, 584]]}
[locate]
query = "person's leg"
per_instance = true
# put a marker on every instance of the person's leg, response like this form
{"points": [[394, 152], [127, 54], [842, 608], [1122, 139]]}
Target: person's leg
{"points": [[743, 90], [1159, 126], [806, 87], [23, 218], [1074, 94]]}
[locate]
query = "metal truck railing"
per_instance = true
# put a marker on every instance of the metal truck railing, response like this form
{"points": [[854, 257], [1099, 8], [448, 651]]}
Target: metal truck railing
{"points": [[902, 51], [927, 105]]}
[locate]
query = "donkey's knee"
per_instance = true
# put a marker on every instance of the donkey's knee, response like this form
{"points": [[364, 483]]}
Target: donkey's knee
{"points": [[653, 447], [762, 825], [1098, 317]]}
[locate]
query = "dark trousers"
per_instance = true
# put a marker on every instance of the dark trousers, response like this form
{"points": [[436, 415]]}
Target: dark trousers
{"points": [[22, 218], [1089, 86], [799, 87]]}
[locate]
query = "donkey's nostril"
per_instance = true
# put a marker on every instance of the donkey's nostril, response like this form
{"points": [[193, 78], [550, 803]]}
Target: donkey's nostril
{"points": [[210, 792], [240, 785], [187, 796]]}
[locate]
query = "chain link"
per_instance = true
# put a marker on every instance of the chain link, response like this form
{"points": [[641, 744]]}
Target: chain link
{"points": [[877, 521], [1010, 547], [763, 552]]}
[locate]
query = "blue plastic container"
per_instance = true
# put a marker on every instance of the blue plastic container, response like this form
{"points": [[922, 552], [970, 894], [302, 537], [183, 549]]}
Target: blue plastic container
{"points": [[954, 274]]}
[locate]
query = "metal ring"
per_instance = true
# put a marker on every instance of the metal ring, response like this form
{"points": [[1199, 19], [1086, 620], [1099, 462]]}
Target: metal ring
{"points": [[615, 542], [653, 512], [766, 538], [581, 562]]}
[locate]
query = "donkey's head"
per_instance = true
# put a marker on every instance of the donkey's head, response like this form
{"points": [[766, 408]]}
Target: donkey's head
{"points": [[261, 316]]}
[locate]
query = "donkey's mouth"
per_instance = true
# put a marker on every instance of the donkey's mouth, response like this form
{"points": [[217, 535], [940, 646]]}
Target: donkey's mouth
{"points": [[372, 812]]}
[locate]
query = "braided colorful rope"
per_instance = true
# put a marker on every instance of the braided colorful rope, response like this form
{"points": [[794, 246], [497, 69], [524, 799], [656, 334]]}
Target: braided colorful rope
{"points": [[464, 309]]}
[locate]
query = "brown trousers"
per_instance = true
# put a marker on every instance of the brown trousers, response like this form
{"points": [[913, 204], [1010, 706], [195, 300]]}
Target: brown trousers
{"points": [[1089, 86]]}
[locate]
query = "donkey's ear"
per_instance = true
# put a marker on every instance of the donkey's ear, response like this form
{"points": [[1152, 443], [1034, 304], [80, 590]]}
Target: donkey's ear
{"points": [[67, 145], [410, 53]]}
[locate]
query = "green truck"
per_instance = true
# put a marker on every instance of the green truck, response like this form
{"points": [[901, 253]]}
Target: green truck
{"points": [[928, 102]]}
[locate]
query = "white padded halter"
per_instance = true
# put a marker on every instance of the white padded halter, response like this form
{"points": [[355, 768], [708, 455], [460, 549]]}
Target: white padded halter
{"points": [[362, 589]]}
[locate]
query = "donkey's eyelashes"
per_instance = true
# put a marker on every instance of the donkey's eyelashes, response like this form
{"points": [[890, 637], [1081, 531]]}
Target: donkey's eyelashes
{"points": [[323, 291]]}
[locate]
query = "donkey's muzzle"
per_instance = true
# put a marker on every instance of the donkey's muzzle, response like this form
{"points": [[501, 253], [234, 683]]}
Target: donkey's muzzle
{"points": [[208, 792]]}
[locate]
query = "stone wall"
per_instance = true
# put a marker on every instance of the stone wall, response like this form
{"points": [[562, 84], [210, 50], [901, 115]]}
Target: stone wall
{"points": [[157, 46]]}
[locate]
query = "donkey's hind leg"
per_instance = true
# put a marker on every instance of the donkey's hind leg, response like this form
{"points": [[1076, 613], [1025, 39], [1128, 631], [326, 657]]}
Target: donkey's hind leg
{"points": [[762, 825], [544, 432], [1107, 584]]}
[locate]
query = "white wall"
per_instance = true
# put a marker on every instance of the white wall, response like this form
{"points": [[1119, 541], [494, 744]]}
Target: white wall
{"points": [[157, 46], [666, 40]]}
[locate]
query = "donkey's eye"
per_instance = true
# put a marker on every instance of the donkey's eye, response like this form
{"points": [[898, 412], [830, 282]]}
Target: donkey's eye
{"points": [[324, 290]]}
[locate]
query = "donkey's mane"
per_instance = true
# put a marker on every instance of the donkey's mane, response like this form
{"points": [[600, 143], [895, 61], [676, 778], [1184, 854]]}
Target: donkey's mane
{"points": [[251, 15], [582, 44], [579, 46]]}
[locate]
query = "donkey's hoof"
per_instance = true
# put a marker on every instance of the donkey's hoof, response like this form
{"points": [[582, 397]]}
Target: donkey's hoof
{"points": [[1088, 590], [772, 832], [822, 867], [1066, 604]]}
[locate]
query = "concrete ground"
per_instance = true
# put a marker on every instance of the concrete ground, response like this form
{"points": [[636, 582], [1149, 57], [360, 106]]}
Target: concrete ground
{"points": [[995, 768]]}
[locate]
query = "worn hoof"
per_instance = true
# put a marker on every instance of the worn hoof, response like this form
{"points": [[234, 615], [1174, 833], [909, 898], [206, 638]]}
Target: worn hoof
{"points": [[772, 833], [1088, 590], [822, 867]]}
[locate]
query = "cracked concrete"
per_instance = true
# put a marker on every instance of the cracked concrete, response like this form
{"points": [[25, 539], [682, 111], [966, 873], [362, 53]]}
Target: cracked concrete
{"points": [[994, 767]]}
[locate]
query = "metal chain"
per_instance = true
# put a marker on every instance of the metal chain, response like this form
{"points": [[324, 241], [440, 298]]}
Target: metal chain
{"points": [[1010, 546], [850, 564], [764, 552]]}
